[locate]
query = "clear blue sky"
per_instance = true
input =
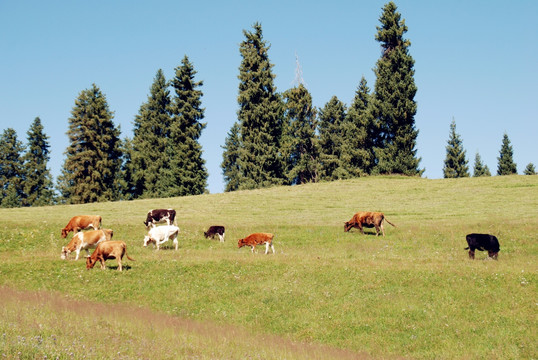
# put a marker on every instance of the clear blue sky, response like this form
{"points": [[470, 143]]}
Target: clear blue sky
{"points": [[475, 61]]}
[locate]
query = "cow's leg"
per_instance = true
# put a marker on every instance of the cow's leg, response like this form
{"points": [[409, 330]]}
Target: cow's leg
{"points": [[119, 263], [272, 248], [360, 228], [221, 237], [252, 248], [102, 261], [176, 243], [382, 229], [471, 253], [266, 248], [78, 252]]}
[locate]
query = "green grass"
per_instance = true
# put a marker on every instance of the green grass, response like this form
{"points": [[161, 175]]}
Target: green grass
{"points": [[413, 293]]}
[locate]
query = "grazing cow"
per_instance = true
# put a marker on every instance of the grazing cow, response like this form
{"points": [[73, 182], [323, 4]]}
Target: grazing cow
{"points": [[483, 242], [215, 230], [160, 234], [160, 215], [108, 250], [367, 219], [82, 222], [84, 240], [257, 239]]}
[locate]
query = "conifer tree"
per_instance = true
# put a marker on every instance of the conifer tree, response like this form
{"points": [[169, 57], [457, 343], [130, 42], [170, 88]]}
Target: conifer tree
{"points": [[12, 174], [394, 107], [230, 159], [38, 184], [506, 164], [299, 136], [357, 151], [149, 143], [331, 137], [91, 169], [530, 170], [479, 168], [260, 115], [456, 165], [187, 174]]}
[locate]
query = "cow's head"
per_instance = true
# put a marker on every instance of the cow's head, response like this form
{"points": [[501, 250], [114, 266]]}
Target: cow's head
{"points": [[64, 233], [241, 243], [147, 240], [493, 254], [347, 226], [65, 253], [90, 263]]}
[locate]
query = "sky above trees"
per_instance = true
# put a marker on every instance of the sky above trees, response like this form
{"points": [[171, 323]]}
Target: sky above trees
{"points": [[474, 62]]}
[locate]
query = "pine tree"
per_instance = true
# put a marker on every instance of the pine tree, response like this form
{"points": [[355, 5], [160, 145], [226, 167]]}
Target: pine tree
{"points": [[260, 115], [299, 135], [394, 107], [331, 135], [479, 168], [357, 151], [230, 159], [12, 175], [91, 170], [530, 170], [187, 174], [149, 144], [38, 184], [456, 165], [506, 165]]}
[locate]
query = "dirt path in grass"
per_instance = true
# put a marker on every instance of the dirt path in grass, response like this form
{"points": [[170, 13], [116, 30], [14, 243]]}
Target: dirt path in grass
{"points": [[62, 307]]}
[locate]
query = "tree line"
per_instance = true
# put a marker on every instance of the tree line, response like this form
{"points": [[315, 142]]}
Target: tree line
{"points": [[278, 138]]}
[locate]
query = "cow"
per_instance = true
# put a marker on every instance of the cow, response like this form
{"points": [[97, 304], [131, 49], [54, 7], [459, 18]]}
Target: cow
{"points": [[82, 222], [108, 250], [257, 239], [215, 230], [161, 234], [160, 215], [483, 242], [367, 219], [84, 240]]}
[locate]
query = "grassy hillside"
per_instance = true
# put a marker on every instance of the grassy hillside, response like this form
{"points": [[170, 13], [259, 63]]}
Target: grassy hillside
{"points": [[413, 293]]}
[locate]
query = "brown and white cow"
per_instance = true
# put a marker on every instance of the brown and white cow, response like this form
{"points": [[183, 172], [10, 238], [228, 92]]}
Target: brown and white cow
{"points": [[367, 219], [215, 230], [160, 215], [82, 222], [258, 239], [108, 250], [85, 240]]}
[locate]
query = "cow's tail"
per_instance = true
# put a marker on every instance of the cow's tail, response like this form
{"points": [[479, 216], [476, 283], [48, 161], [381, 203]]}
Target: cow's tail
{"points": [[387, 220], [128, 257]]}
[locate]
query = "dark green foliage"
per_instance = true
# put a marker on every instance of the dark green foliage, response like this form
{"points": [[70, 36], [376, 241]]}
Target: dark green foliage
{"points": [[149, 144], [394, 107], [506, 165], [456, 165], [38, 184], [11, 169], [260, 115], [331, 137], [230, 158], [186, 173], [92, 168], [299, 141], [479, 168], [529, 170]]}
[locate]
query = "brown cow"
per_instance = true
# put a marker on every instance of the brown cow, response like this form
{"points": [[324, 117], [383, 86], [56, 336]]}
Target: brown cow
{"points": [[258, 239], [108, 250], [82, 222], [84, 240], [367, 219]]}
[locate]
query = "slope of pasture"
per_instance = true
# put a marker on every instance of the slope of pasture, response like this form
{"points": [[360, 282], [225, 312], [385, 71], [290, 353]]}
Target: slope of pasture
{"points": [[413, 293]]}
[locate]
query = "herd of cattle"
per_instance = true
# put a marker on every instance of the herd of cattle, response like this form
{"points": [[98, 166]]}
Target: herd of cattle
{"points": [[100, 239]]}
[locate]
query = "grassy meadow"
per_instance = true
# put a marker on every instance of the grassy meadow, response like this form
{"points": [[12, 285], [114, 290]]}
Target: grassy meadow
{"points": [[324, 294]]}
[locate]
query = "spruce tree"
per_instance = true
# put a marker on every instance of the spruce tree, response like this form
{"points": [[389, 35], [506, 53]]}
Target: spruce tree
{"points": [[12, 175], [149, 144], [529, 170], [230, 159], [456, 165], [92, 167], [38, 184], [299, 135], [331, 138], [187, 174], [394, 107], [479, 168], [506, 164], [260, 115], [357, 151]]}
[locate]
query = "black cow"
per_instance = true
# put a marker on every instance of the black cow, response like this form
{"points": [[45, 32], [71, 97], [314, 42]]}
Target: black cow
{"points": [[160, 215], [215, 230], [483, 242]]}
